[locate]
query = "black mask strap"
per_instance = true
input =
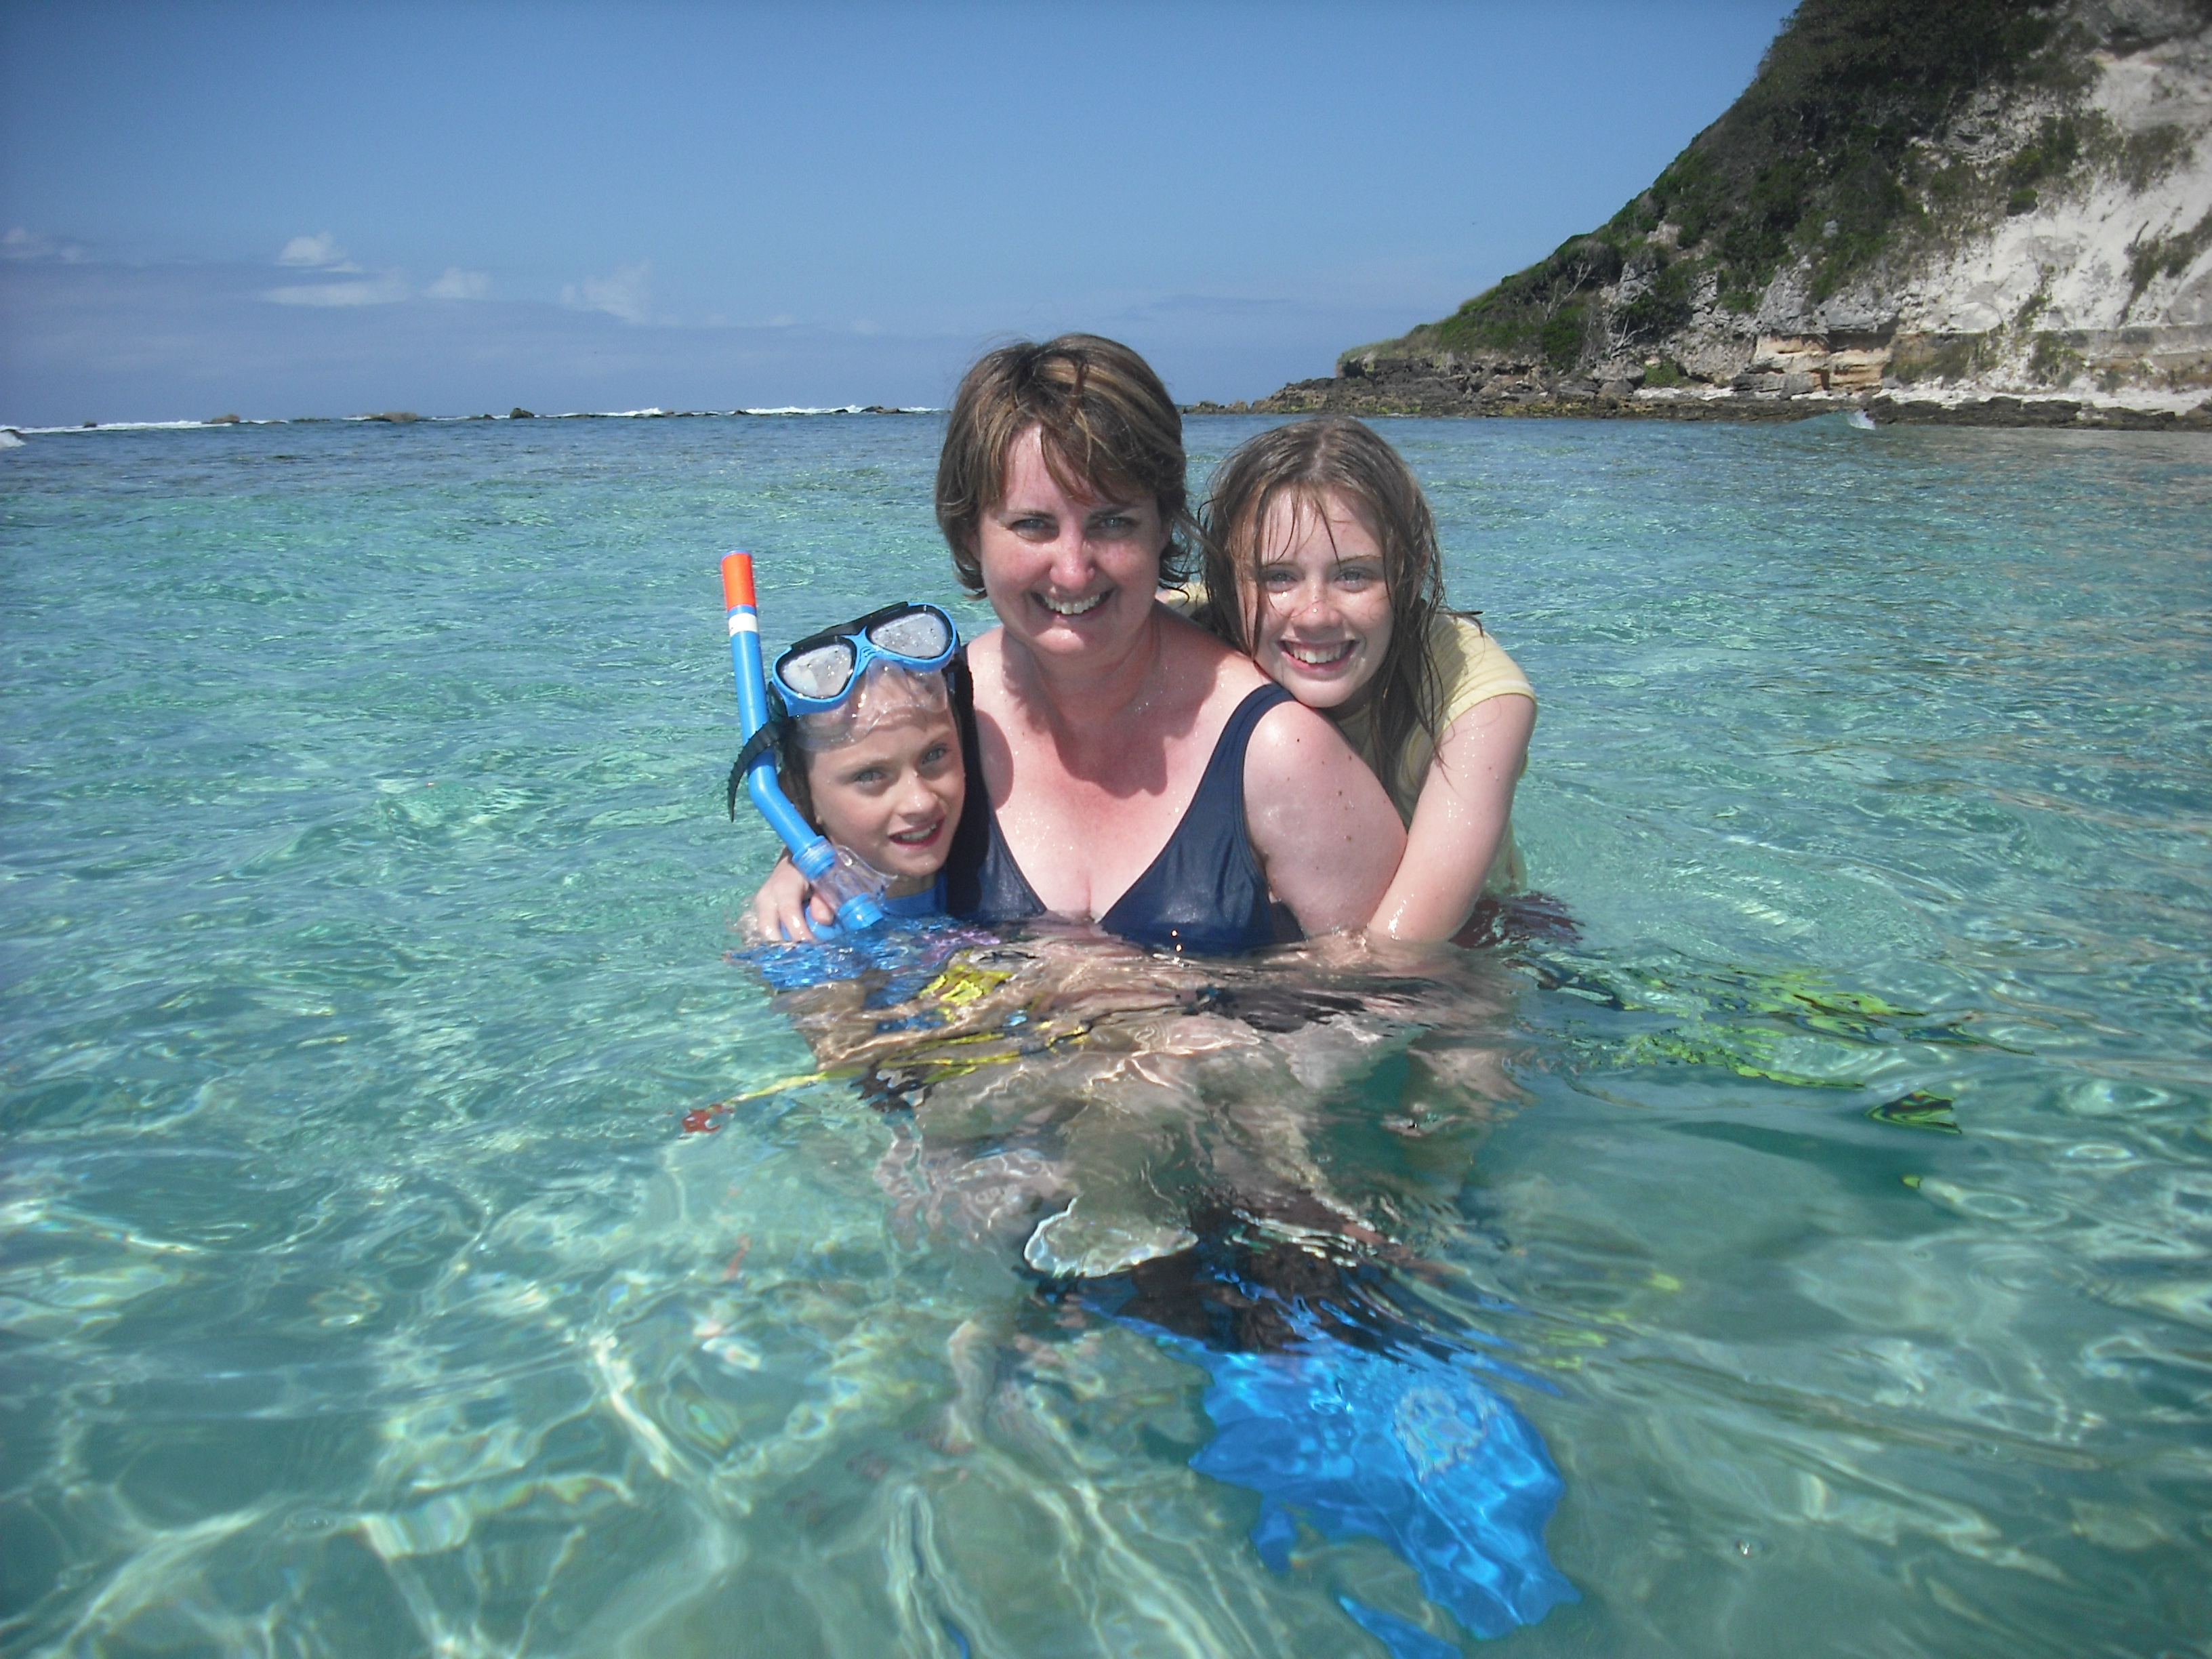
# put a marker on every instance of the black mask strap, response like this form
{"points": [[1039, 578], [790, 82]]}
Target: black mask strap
{"points": [[762, 742]]}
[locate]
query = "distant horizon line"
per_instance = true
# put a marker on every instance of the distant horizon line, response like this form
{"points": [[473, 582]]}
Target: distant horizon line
{"points": [[408, 418]]}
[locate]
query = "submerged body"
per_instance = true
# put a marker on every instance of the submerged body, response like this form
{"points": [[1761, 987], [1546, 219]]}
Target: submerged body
{"points": [[1133, 1092], [1150, 1135]]}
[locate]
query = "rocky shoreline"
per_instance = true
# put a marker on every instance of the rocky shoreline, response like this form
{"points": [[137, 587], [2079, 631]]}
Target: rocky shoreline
{"points": [[1961, 216], [1775, 387]]}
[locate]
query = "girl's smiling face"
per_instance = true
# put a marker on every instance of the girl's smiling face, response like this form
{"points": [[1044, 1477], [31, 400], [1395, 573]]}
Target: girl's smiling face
{"points": [[1318, 591], [893, 797]]}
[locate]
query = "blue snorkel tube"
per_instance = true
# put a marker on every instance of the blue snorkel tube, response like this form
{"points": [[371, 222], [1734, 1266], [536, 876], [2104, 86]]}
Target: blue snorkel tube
{"points": [[836, 874]]}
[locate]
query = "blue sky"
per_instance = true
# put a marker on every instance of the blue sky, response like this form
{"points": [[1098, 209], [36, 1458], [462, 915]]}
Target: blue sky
{"points": [[328, 208]]}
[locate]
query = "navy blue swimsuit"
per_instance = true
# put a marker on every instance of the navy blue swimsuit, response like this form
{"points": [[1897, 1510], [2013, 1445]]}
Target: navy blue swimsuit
{"points": [[1205, 892]]}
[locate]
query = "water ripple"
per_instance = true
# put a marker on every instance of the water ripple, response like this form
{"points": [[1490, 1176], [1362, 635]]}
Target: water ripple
{"points": [[1837, 1207]]}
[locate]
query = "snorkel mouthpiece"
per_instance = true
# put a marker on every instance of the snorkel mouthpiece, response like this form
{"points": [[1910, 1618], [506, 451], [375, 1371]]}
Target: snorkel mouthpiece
{"points": [[851, 885]]}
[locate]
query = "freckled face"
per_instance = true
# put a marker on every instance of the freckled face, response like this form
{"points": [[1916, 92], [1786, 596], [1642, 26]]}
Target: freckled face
{"points": [[1070, 575], [893, 797], [1324, 607]]}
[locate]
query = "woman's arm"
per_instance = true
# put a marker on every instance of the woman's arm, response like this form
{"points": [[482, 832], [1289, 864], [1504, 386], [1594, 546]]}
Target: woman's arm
{"points": [[1459, 821], [1326, 834]]}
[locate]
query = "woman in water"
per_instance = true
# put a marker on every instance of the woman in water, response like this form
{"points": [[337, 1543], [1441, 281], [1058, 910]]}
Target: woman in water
{"points": [[1123, 765], [1321, 560]]}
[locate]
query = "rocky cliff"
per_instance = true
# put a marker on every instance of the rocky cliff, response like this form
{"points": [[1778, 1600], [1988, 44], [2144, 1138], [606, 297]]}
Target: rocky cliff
{"points": [[1938, 210]]}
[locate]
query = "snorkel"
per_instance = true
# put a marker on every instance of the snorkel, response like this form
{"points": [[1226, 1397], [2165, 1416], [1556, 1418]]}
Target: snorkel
{"points": [[838, 876]]}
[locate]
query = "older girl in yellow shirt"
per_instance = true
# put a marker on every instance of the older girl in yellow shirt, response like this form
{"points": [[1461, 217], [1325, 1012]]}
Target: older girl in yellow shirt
{"points": [[1321, 562]]}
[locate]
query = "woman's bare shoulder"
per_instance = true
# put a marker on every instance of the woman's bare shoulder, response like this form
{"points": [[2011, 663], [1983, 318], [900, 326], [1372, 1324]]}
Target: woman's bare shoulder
{"points": [[987, 664], [1324, 830], [1292, 734], [1202, 664]]}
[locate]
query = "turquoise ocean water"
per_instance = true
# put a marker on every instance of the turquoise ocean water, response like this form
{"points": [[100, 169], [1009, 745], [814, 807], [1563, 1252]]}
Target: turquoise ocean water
{"points": [[1837, 1205]]}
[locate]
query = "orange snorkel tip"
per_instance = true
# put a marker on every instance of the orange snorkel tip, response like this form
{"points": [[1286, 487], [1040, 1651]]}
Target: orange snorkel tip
{"points": [[738, 580]]}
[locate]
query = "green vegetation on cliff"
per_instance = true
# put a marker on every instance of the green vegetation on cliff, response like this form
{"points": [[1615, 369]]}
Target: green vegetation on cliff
{"points": [[1823, 157]]}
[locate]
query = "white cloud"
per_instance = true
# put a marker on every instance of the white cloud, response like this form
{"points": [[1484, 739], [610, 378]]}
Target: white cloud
{"points": [[625, 295], [371, 291], [320, 251], [458, 284], [22, 243]]}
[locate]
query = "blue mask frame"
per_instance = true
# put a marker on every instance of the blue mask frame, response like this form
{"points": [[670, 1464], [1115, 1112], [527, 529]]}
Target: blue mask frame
{"points": [[859, 639]]}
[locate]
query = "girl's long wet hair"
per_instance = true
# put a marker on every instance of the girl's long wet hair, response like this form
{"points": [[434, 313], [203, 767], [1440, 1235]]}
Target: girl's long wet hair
{"points": [[1307, 461]]}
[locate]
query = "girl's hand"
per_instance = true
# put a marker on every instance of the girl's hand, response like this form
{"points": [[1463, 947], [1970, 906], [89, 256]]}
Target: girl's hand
{"points": [[785, 903]]}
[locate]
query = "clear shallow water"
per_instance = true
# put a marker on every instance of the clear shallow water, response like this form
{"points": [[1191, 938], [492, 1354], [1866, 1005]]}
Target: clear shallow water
{"points": [[365, 921]]}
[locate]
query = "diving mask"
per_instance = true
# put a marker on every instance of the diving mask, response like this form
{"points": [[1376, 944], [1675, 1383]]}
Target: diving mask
{"points": [[821, 671]]}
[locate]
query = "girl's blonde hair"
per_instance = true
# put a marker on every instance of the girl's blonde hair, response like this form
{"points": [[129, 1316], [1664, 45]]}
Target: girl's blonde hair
{"points": [[1307, 461]]}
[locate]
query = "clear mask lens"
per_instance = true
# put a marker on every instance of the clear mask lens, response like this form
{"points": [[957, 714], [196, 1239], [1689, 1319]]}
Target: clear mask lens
{"points": [[822, 672], [918, 634]]}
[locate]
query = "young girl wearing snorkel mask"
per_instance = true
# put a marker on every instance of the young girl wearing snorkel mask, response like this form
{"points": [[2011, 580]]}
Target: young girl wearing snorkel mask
{"points": [[859, 720], [1321, 562], [880, 776]]}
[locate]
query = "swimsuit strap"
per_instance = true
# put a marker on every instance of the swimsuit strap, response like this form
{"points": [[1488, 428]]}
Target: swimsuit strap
{"points": [[982, 883], [1206, 891]]}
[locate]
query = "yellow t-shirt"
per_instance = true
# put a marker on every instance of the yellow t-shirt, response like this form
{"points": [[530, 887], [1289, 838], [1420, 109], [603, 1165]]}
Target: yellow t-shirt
{"points": [[1469, 668]]}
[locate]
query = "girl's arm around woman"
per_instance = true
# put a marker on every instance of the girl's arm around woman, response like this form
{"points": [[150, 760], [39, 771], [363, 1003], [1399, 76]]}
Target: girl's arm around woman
{"points": [[1459, 820]]}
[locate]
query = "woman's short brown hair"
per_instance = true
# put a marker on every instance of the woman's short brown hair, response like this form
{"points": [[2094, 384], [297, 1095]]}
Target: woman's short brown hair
{"points": [[1306, 461], [1108, 423]]}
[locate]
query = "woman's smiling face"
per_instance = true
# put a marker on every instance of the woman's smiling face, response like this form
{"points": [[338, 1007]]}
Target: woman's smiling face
{"points": [[1321, 598], [1071, 574]]}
